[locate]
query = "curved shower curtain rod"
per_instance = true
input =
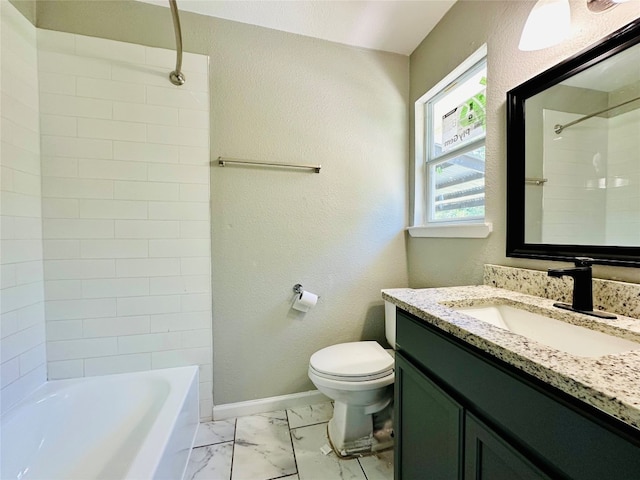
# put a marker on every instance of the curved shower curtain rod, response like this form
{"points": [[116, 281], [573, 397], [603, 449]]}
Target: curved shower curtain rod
{"points": [[177, 77]]}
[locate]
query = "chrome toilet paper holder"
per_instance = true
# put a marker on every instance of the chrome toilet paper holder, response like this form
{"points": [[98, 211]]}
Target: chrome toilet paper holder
{"points": [[297, 289]]}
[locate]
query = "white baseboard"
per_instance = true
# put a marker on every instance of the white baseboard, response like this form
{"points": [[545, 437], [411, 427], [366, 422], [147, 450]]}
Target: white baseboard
{"points": [[262, 405]]}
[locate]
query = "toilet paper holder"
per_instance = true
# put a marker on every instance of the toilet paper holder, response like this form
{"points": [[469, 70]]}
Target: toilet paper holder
{"points": [[297, 288]]}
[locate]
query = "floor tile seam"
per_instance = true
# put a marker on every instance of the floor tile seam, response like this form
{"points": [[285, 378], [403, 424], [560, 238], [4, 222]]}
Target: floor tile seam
{"points": [[293, 450], [233, 447], [214, 443], [310, 425]]}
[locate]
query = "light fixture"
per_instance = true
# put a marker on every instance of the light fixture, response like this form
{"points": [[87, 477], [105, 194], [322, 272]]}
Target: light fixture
{"points": [[597, 6], [548, 24]]}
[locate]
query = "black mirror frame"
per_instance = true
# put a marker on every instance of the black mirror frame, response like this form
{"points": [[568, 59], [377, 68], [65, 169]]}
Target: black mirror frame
{"points": [[621, 39]]}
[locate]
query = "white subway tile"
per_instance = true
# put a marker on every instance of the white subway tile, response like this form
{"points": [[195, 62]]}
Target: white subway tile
{"points": [[9, 371], [31, 315], [179, 284], [8, 275], [61, 249], [8, 323], [14, 345], [21, 296], [116, 326], [150, 342], [111, 130], [57, 83], [147, 75], [7, 227], [198, 229], [177, 136], [194, 119], [181, 358], [195, 266], [19, 113], [59, 167], [65, 369], [206, 410], [194, 193], [146, 191], [25, 160], [196, 302], [29, 272], [60, 208], [78, 269], [77, 188], [64, 330], [147, 267], [147, 229], [116, 248], [79, 309], [110, 90], [148, 305], [55, 104], [94, 47], [196, 338], [111, 169], [150, 114], [172, 97], [22, 250], [191, 61], [116, 209], [115, 287], [18, 136], [75, 147], [195, 155], [179, 248], [73, 65], [27, 228], [179, 210], [176, 322], [59, 125], [81, 349], [6, 179], [32, 359], [77, 228], [145, 152], [117, 364], [17, 204], [52, 41], [63, 289], [26, 183]]}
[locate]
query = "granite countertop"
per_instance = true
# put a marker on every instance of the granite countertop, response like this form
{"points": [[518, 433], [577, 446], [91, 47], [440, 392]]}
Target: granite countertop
{"points": [[610, 383]]}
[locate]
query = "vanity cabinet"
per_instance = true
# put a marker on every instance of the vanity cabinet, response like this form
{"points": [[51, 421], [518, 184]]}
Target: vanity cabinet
{"points": [[463, 414]]}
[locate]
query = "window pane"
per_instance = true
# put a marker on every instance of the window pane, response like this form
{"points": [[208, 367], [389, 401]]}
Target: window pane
{"points": [[459, 114], [457, 187]]}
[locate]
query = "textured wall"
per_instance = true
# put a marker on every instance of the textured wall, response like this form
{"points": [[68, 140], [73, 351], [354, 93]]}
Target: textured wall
{"points": [[22, 325], [469, 24], [286, 98], [125, 194]]}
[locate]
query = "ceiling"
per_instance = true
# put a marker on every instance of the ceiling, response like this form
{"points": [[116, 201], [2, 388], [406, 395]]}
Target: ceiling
{"points": [[396, 26]]}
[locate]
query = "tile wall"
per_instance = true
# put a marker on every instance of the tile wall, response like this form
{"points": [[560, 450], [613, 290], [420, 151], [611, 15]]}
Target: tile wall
{"points": [[22, 324], [125, 207]]}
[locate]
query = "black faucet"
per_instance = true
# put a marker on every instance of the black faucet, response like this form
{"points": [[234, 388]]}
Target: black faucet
{"points": [[582, 287]]}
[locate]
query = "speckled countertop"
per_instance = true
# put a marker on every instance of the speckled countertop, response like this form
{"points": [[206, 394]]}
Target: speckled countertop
{"points": [[610, 383]]}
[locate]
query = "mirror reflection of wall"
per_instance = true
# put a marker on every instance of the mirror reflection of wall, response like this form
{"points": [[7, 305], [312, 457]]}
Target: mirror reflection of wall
{"points": [[588, 188]]}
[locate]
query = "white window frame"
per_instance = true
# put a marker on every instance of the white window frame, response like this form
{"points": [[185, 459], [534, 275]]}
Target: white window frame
{"points": [[466, 228]]}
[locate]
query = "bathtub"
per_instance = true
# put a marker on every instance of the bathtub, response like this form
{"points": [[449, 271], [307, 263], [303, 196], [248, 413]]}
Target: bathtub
{"points": [[134, 426]]}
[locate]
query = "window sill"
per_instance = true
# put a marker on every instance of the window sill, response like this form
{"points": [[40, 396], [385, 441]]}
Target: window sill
{"points": [[468, 230]]}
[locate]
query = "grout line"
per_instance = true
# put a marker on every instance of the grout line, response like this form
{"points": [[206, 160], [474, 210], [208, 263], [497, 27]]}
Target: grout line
{"points": [[233, 446], [293, 450]]}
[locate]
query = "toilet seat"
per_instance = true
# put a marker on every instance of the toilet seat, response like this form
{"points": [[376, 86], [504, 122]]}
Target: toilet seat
{"points": [[352, 362]]}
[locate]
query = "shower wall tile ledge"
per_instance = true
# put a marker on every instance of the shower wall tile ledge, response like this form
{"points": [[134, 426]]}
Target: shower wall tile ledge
{"points": [[616, 297]]}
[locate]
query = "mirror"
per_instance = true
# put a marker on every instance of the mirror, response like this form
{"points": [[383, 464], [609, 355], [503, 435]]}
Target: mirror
{"points": [[573, 157]]}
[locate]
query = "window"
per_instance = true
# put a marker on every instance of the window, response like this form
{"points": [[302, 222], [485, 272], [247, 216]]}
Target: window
{"points": [[450, 149]]}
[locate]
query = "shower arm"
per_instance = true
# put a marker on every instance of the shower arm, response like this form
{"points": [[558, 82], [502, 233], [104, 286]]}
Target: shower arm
{"points": [[177, 77]]}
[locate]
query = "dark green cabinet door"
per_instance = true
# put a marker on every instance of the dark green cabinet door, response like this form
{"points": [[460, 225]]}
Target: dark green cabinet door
{"points": [[428, 425], [488, 457]]}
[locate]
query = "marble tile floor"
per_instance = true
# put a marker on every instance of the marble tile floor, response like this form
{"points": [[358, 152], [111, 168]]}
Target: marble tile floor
{"points": [[278, 445]]}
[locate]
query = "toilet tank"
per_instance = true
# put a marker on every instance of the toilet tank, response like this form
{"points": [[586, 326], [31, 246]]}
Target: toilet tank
{"points": [[390, 323]]}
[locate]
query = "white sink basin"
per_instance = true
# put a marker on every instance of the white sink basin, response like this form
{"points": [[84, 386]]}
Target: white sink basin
{"points": [[548, 331]]}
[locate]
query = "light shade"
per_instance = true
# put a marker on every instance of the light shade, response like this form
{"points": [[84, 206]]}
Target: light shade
{"points": [[548, 24]]}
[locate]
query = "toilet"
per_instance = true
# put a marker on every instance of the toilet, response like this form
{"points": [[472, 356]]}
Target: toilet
{"points": [[358, 377]]}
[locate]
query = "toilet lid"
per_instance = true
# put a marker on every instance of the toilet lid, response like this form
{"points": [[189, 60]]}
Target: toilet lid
{"points": [[352, 360]]}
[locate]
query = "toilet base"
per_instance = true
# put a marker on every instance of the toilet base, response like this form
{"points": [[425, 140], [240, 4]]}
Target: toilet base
{"points": [[353, 431]]}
